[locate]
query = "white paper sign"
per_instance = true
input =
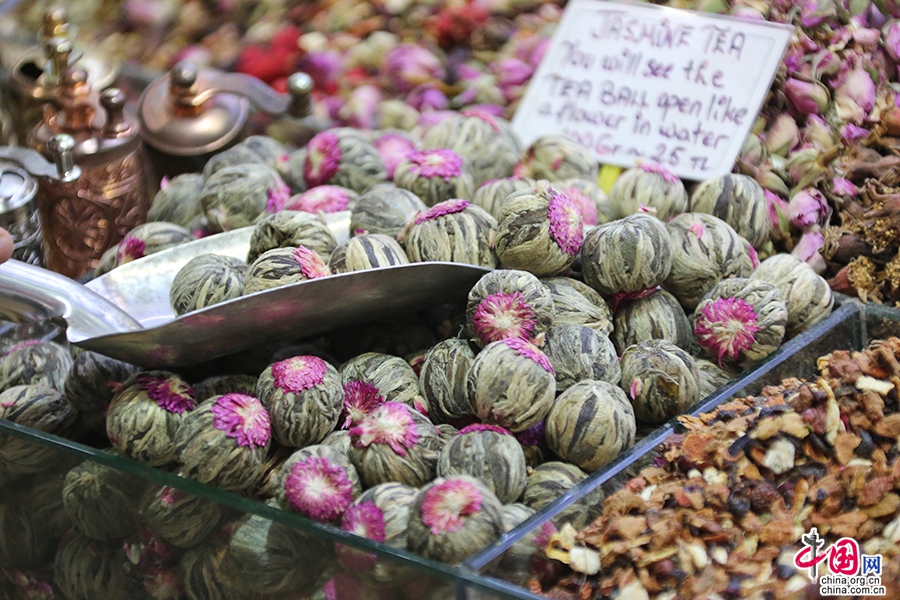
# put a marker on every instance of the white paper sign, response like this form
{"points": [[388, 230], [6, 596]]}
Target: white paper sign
{"points": [[674, 87]]}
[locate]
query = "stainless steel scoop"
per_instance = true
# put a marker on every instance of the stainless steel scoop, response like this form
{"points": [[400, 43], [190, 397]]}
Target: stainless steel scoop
{"points": [[126, 314]]}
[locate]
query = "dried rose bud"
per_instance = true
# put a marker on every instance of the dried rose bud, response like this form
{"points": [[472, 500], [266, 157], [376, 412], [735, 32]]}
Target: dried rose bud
{"points": [[303, 396], [101, 501], [408, 65], [367, 251], [638, 240], [578, 352], [808, 207], [144, 415], [578, 304], [705, 250], [453, 518], [739, 201], [361, 106], [395, 443], [806, 294], [741, 320], [491, 194], [318, 482], [86, 568], [343, 157], [289, 229], [223, 442], [508, 303], [451, 231], [557, 157], [283, 266], [206, 280], [648, 185], [590, 424], [384, 209], [481, 140], [490, 454], [807, 97], [179, 201], [781, 136], [443, 380], [818, 133], [323, 198], [35, 363], [539, 230], [435, 175], [394, 147], [511, 384], [661, 379], [241, 195]]}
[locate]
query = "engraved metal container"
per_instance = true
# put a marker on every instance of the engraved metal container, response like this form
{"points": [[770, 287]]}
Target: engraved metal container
{"points": [[83, 219], [189, 114]]}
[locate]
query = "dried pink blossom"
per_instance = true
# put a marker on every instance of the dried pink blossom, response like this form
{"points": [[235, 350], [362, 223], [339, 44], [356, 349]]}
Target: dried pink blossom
{"points": [[299, 373], [323, 157], [503, 315], [278, 196], [439, 162], [361, 107], [243, 418], [409, 65], [566, 224], [447, 504], [311, 264], [853, 133], [427, 98], [130, 248], [806, 97], [170, 393], [365, 520], [393, 148], [844, 187], [390, 424], [360, 398], [318, 489], [447, 207], [807, 208], [483, 427], [322, 198], [726, 326], [585, 204], [530, 351]]}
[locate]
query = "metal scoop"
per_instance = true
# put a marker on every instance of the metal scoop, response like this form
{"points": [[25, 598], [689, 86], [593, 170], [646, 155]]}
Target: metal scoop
{"points": [[125, 314]]}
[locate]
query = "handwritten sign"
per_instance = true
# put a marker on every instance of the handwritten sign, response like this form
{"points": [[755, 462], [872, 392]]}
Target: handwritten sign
{"points": [[678, 88]]}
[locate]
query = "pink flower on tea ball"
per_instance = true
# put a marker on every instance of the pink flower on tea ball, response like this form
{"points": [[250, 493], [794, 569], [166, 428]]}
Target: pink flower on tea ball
{"points": [[726, 326], [318, 489], [170, 393], [447, 504], [529, 350], [323, 198], [439, 162], [393, 148], [566, 223], [311, 264], [323, 158], [447, 207], [299, 373], [130, 248], [365, 520], [360, 398], [243, 418], [504, 315], [390, 424]]}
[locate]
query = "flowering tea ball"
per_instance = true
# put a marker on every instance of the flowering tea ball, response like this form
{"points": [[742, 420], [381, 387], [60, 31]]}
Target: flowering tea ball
{"points": [[705, 250], [511, 384], [271, 151], [477, 137], [492, 194], [395, 443], [391, 376], [178, 201], [443, 380], [627, 256], [367, 251], [384, 209], [578, 352], [145, 414], [590, 424], [661, 379], [41, 408], [741, 320], [223, 442], [539, 230], [712, 376], [739, 201], [451, 231], [304, 397], [282, 266], [180, 518], [453, 518], [206, 280], [35, 363], [22, 545], [101, 501], [86, 569], [339, 440], [557, 157], [380, 514], [490, 454], [207, 574], [657, 316], [590, 199], [435, 176], [533, 444], [91, 380], [289, 229], [324, 199], [548, 482], [237, 155], [345, 157], [578, 304], [394, 145], [806, 294], [225, 384], [240, 196], [292, 171], [508, 303], [648, 188]]}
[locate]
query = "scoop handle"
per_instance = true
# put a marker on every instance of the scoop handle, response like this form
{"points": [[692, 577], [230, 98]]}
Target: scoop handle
{"points": [[29, 293]]}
